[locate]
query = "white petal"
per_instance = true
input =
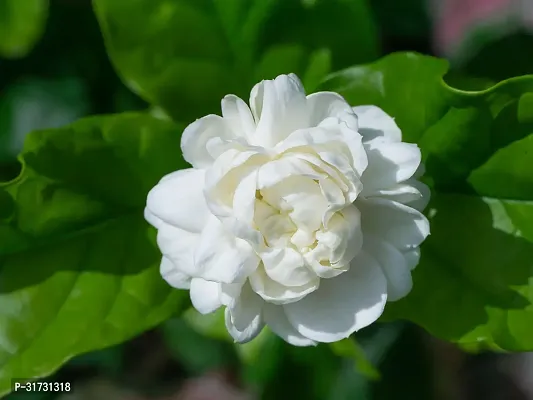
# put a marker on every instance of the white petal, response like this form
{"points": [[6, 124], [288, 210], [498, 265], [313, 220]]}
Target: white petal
{"points": [[421, 202], [394, 265], [341, 305], [205, 295], [277, 321], [319, 260], [195, 137], [244, 198], [221, 257], [178, 200], [334, 142], [343, 236], [222, 179], [389, 163], [276, 171], [238, 115], [173, 275], [274, 226], [287, 267], [299, 196], [178, 246], [230, 292], [402, 226], [243, 316], [152, 219], [374, 122], [323, 105], [401, 192], [412, 258], [279, 107], [276, 293]]}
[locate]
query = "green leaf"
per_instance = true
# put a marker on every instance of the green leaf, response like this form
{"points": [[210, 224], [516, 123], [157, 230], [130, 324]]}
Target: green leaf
{"points": [[21, 26], [349, 348], [79, 269], [509, 173], [191, 53], [406, 85], [474, 283]]}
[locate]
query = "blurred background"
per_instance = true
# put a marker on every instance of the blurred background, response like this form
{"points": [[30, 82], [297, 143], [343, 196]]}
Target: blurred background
{"points": [[54, 70]]}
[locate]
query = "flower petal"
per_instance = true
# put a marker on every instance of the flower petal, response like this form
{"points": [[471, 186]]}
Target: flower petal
{"points": [[276, 293], [421, 202], [374, 122], [394, 265], [238, 115], [412, 258], [279, 107], [341, 305], [402, 226], [324, 105], [173, 275], [389, 163], [287, 267], [205, 295], [222, 179], [178, 200], [221, 257], [277, 321], [334, 142], [152, 219], [195, 137], [243, 316], [178, 246]]}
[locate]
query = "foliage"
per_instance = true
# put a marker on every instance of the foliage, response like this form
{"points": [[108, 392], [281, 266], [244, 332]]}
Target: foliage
{"points": [[78, 263]]}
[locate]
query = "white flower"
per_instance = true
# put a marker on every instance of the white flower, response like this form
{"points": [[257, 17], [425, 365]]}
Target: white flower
{"points": [[301, 213]]}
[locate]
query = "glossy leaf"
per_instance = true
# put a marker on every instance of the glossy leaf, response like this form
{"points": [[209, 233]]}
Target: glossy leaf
{"points": [[21, 26], [79, 269], [190, 53], [474, 283]]}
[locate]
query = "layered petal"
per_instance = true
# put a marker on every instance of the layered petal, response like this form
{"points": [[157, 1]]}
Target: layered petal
{"points": [[178, 246], [277, 293], [196, 136], [178, 200], [173, 275], [341, 305], [277, 321], [279, 107], [394, 266], [286, 266], [374, 122], [221, 257], [323, 105], [389, 163], [244, 315], [301, 212], [205, 295], [238, 115], [400, 225]]}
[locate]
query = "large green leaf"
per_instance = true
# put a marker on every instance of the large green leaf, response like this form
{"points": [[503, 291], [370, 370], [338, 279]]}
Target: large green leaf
{"points": [[474, 283], [78, 264], [21, 26], [185, 55]]}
